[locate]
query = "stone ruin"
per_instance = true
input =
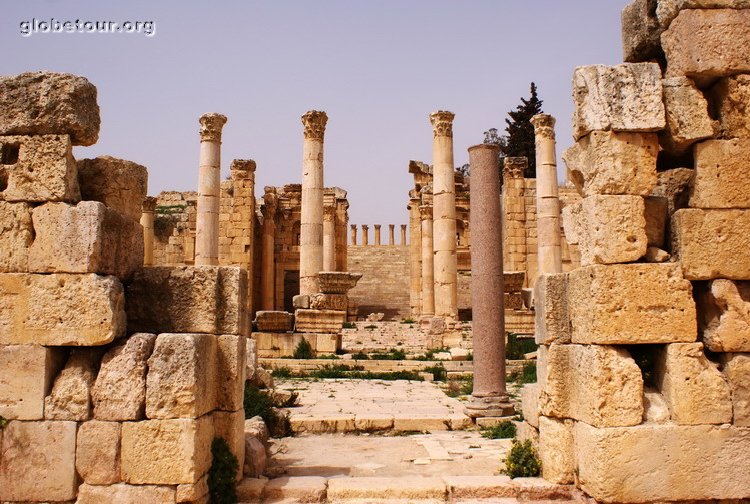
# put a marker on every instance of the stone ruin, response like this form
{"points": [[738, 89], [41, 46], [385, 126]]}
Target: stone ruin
{"points": [[115, 378]]}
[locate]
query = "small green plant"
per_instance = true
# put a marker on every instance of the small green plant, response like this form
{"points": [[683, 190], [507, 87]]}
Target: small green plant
{"points": [[304, 350], [522, 460], [408, 320], [439, 373], [393, 354], [349, 325], [328, 357], [222, 484], [360, 356], [517, 347], [282, 372], [526, 375], [261, 403], [503, 430], [3, 422]]}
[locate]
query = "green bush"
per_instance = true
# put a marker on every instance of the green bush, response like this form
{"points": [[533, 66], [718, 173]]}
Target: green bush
{"points": [[503, 430], [458, 388], [526, 375], [222, 484], [350, 325], [518, 347], [439, 373], [360, 356], [393, 354], [282, 372], [408, 320], [304, 350], [261, 403], [522, 460]]}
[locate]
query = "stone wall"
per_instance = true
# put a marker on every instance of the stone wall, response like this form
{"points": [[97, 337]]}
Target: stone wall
{"points": [[384, 287]]}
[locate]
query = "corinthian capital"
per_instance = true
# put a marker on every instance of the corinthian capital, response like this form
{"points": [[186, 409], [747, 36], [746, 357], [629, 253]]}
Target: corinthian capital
{"points": [[211, 125], [314, 122], [515, 167], [442, 123], [425, 212], [544, 126]]}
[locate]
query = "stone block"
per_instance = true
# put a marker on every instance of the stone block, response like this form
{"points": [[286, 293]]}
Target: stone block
{"points": [[655, 407], [729, 98], [121, 185], [326, 343], [188, 299], [706, 44], [409, 489], [166, 452], [712, 243], [631, 304], [60, 309], [557, 450], [617, 163], [231, 427], [301, 488], [599, 385], [724, 322], [251, 489], [231, 366], [337, 282], [663, 462], [479, 487], [119, 392], [182, 379], [530, 403], [98, 452], [85, 238], [667, 10], [123, 493], [338, 302], [687, 116], [37, 461], [16, 236], [551, 319], [27, 374], [274, 321], [70, 398], [194, 493], [38, 169], [319, 321], [695, 390], [625, 97], [674, 185], [722, 170], [301, 301], [41, 103], [737, 372], [655, 213], [256, 427], [256, 458], [641, 31]]}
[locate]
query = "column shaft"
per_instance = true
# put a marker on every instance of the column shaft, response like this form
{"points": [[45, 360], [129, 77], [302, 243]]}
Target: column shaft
{"points": [[391, 234], [377, 234], [209, 180], [415, 257], [365, 234], [547, 200], [329, 239], [147, 221], [354, 234], [403, 235], [267, 272], [311, 224], [428, 262]]}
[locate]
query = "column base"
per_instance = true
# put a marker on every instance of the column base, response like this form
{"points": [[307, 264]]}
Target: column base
{"points": [[494, 406]]}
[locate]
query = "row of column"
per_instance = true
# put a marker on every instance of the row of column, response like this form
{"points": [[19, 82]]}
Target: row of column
{"points": [[366, 238]]}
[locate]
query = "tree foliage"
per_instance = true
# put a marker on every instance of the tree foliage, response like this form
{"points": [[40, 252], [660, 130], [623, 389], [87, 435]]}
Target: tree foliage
{"points": [[519, 138]]}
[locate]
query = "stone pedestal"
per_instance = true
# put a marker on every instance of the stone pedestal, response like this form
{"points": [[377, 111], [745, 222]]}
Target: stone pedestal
{"points": [[428, 278], [311, 224], [209, 181], [547, 201], [147, 221], [329, 238], [354, 234], [267, 271]]}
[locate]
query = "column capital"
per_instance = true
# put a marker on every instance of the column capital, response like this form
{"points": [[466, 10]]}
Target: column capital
{"points": [[515, 167], [442, 123], [544, 125], [211, 125], [314, 122], [329, 213], [365, 226], [425, 212], [377, 226], [403, 226], [242, 165], [354, 227], [149, 204]]}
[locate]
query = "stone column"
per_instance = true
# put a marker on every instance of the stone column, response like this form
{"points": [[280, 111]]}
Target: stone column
{"points": [[311, 224], [329, 238], [341, 247], [354, 234], [428, 262], [547, 201], [147, 221], [415, 256], [209, 181], [377, 234], [489, 395], [391, 234], [515, 252], [403, 235], [268, 264], [365, 234], [444, 216]]}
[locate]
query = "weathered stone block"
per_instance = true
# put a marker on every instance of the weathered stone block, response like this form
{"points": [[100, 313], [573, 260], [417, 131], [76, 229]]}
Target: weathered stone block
{"points": [[231, 364], [326, 343], [255, 458], [274, 321], [37, 461], [166, 452], [60, 309], [737, 372], [530, 403], [41, 103], [194, 493], [119, 184], [655, 213], [696, 392], [38, 169], [98, 452], [722, 173], [551, 319], [85, 238], [182, 379], [641, 31], [674, 185], [608, 162], [667, 10], [663, 462], [625, 97], [557, 450], [730, 98], [70, 398], [123, 493], [712, 243], [338, 302], [687, 116], [631, 304], [301, 301], [16, 236], [231, 427], [319, 321], [119, 392], [655, 408], [188, 299], [706, 44], [337, 282], [724, 306], [28, 371], [599, 385]]}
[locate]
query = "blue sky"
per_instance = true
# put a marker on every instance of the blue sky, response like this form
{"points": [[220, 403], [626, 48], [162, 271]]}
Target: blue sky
{"points": [[378, 68]]}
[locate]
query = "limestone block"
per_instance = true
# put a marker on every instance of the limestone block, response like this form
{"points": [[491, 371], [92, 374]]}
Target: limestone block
{"points": [[60, 309], [687, 115], [338, 302], [695, 390], [477, 488], [631, 304], [382, 489], [667, 10], [572, 220], [37, 461], [541, 364], [70, 398], [557, 450], [737, 372], [663, 462], [38, 169], [119, 392], [625, 97], [655, 408], [608, 162], [336, 282], [722, 170], [599, 385], [274, 321], [724, 308], [231, 366], [299, 488], [655, 213], [119, 184], [182, 379], [674, 185], [251, 489], [326, 343], [319, 321], [16, 236], [301, 301], [123, 493], [188, 299], [730, 98], [551, 319], [85, 238], [530, 403], [706, 44], [194, 492], [26, 377], [641, 31], [656, 255], [255, 458], [256, 427], [524, 431], [231, 427], [712, 243], [98, 452], [166, 452]]}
